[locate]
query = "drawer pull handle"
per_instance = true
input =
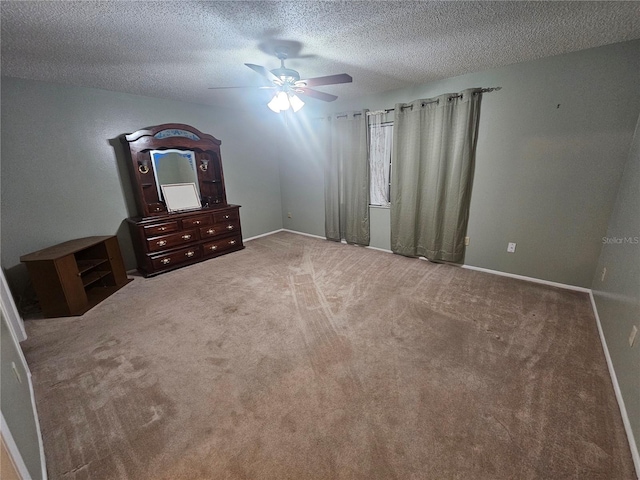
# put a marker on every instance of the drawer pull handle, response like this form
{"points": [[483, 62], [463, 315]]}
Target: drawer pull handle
{"points": [[211, 231], [162, 243], [190, 254], [226, 217], [165, 261], [162, 229], [229, 227], [232, 242], [186, 237], [158, 209], [196, 222], [213, 247]]}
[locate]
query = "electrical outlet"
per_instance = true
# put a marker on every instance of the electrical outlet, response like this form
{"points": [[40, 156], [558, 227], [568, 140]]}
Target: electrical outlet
{"points": [[511, 248], [632, 335], [604, 274], [16, 372], [467, 240], [289, 215]]}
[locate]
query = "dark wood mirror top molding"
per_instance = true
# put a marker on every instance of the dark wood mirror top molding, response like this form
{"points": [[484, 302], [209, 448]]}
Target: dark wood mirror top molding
{"points": [[171, 135], [206, 148], [166, 240]]}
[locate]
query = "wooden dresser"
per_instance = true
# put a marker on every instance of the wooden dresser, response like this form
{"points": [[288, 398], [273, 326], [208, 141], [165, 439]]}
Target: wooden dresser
{"points": [[166, 242], [171, 155]]}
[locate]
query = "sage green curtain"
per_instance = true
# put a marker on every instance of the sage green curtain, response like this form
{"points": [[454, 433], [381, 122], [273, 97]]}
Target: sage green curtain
{"points": [[347, 179], [434, 145]]}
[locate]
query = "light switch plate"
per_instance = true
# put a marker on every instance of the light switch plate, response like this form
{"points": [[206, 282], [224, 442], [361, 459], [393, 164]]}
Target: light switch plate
{"points": [[467, 240]]}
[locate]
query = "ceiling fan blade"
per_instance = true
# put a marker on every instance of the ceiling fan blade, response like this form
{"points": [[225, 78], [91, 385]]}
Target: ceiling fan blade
{"points": [[260, 88], [328, 80], [263, 71], [325, 97]]}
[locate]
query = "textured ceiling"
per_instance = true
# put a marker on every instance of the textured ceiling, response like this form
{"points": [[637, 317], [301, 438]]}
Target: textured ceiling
{"points": [[178, 49]]}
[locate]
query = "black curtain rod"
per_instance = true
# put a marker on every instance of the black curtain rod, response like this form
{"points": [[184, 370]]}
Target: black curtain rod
{"points": [[387, 110], [484, 90]]}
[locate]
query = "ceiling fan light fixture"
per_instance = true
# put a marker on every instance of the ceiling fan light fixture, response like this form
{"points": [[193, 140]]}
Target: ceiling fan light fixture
{"points": [[282, 101], [296, 103], [279, 102]]}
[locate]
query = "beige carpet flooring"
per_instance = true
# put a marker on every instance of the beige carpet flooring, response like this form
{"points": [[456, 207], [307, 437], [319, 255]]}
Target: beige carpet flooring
{"points": [[299, 358]]}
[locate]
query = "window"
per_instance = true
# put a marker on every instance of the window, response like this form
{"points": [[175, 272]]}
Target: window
{"points": [[380, 143]]}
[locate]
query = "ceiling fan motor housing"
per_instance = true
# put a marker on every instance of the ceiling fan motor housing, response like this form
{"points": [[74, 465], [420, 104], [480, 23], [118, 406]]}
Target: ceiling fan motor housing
{"points": [[287, 75]]}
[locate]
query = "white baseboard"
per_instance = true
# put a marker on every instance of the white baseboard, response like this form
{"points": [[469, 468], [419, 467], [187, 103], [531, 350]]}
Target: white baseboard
{"points": [[324, 238], [468, 267], [616, 388], [368, 246], [303, 233], [379, 249], [262, 235], [528, 279]]}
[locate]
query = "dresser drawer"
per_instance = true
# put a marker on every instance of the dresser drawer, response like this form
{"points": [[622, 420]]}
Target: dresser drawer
{"points": [[173, 240], [225, 216], [175, 258], [221, 245], [218, 229], [192, 222], [212, 231], [230, 226], [160, 229]]}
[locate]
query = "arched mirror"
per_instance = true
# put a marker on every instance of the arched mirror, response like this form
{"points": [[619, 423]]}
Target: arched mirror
{"points": [[172, 167]]}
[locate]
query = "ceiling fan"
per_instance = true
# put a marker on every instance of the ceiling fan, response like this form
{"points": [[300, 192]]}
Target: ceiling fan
{"points": [[287, 85]]}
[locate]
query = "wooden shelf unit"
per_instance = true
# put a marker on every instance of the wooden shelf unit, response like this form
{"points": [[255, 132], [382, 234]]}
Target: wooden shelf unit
{"points": [[73, 277]]}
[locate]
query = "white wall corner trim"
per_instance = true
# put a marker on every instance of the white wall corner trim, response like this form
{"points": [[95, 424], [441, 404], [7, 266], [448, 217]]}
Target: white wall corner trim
{"points": [[616, 387], [13, 450], [10, 309], [528, 279], [5, 427]]}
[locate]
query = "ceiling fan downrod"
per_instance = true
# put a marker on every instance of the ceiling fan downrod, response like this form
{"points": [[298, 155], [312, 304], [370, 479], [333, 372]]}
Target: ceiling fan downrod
{"points": [[287, 75]]}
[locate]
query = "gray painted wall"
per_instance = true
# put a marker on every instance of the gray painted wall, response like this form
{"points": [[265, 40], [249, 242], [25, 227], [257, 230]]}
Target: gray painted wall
{"points": [[618, 296], [302, 174], [63, 179], [552, 145], [15, 402]]}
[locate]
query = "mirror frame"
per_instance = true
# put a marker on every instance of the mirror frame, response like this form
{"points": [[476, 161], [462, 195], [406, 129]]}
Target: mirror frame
{"points": [[173, 136]]}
